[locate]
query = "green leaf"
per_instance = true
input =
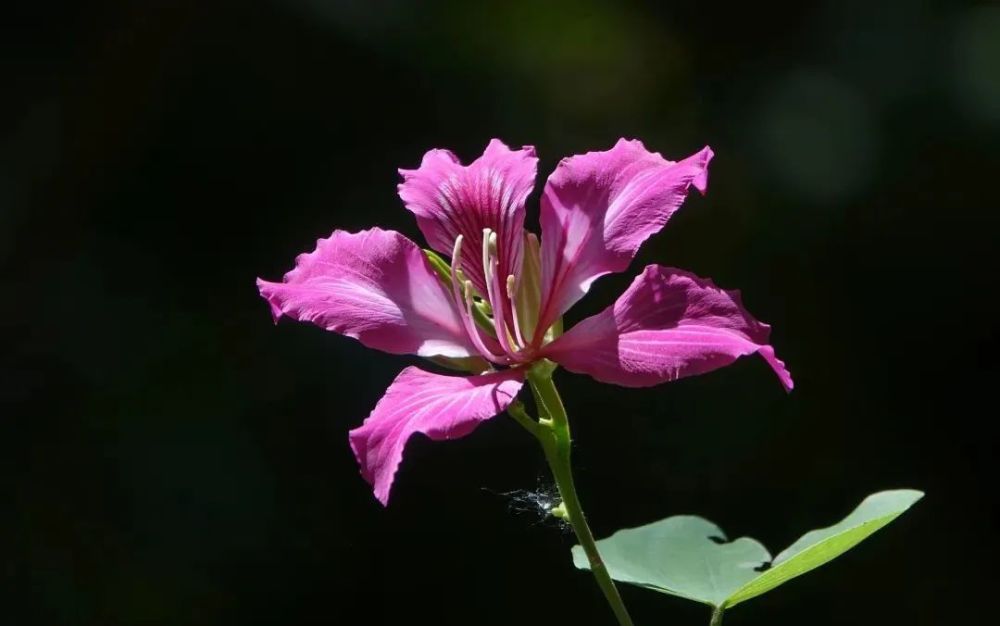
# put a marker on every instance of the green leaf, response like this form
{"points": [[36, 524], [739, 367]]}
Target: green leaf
{"points": [[678, 556]]}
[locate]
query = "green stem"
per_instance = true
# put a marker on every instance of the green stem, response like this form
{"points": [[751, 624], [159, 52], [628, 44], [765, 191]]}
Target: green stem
{"points": [[716, 616], [552, 431]]}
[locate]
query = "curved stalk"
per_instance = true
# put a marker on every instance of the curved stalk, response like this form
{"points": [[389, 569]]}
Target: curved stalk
{"points": [[716, 616], [552, 431]]}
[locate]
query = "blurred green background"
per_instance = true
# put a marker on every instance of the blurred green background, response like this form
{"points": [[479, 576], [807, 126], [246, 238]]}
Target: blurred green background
{"points": [[171, 457]]}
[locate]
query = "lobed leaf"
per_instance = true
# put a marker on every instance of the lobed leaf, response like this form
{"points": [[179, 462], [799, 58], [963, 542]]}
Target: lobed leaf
{"points": [[688, 556]]}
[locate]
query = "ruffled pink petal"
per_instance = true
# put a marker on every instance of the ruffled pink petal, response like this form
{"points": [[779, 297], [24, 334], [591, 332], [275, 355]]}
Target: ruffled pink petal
{"points": [[377, 287], [667, 325], [450, 199], [598, 208], [441, 407]]}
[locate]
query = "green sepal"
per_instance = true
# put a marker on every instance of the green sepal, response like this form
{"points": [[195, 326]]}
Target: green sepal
{"points": [[472, 364], [554, 331], [480, 310], [440, 266]]}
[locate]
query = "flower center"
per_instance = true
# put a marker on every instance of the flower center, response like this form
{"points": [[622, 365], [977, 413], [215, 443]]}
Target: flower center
{"points": [[492, 320]]}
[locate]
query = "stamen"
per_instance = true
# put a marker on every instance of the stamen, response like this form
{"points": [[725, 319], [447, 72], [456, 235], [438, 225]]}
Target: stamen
{"points": [[499, 321], [470, 325], [511, 291], [477, 338], [493, 292], [487, 233]]}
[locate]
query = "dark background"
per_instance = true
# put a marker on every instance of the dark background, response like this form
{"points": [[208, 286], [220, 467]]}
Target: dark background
{"points": [[171, 457]]}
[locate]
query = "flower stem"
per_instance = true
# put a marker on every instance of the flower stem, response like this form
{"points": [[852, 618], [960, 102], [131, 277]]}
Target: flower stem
{"points": [[552, 431], [716, 616]]}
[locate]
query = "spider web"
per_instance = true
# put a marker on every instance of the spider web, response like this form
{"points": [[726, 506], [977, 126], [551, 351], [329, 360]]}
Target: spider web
{"points": [[536, 504]]}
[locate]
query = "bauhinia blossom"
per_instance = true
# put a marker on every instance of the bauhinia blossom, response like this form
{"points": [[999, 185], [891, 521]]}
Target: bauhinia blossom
{"points": [[497, 307]]}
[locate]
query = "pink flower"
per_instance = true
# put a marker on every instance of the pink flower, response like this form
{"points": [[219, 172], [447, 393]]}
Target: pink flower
{"points": [[498, 308]]}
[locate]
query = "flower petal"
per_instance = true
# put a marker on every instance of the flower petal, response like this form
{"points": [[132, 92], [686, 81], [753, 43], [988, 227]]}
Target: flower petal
{"points": [[598, 208], [377, 287], [667, 325], [441, 407], [450, 199]]}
